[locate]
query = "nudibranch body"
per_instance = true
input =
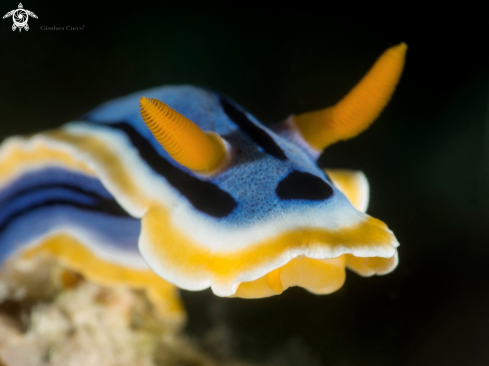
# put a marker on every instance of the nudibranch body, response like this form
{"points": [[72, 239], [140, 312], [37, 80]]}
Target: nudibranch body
{"points": [[207, 196]]}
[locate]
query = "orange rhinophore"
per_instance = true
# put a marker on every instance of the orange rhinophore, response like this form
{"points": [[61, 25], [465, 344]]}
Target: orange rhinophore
{"points": [[359, 108], [184, 141]]}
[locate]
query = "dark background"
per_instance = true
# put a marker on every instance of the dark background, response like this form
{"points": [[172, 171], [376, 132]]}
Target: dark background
{"points": [[426, 157]]}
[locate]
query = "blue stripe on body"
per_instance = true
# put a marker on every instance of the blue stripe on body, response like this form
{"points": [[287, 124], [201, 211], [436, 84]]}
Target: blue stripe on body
{"points": [[52, 176], [118, 234], [41, 196], [52, 198]]}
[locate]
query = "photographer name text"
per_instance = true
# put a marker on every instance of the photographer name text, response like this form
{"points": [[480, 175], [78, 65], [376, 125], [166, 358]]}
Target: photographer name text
{"points": [[67, 28]]}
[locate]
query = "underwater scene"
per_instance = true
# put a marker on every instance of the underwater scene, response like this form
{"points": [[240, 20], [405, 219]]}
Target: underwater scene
{"points": [[229, 187]]}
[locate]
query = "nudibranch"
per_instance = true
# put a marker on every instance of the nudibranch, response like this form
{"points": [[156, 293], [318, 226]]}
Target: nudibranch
{"points": [[180, 186]]}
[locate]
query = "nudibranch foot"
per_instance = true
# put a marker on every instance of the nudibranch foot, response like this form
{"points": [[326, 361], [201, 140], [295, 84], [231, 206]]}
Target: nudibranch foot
{"points": [[319, 276], [312, 258]]}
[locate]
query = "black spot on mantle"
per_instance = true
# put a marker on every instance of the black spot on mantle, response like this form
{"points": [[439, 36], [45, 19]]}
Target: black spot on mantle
{"points": [[258, 135], [204, 196], [303, 186]]}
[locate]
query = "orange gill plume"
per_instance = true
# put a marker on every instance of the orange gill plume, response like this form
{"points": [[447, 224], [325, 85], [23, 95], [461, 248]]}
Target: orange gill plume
{"points": [[185, 142], [359, 108]]}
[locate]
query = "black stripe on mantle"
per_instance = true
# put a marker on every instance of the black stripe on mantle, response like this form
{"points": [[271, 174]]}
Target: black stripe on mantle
{"points": [[206, 197]]}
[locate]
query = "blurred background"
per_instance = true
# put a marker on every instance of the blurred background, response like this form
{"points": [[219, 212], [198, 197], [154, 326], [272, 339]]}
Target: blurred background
{"points": [[427, 156]]}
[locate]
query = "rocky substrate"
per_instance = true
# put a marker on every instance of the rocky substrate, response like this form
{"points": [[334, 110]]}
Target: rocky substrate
{"points": [[51, 316]]}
